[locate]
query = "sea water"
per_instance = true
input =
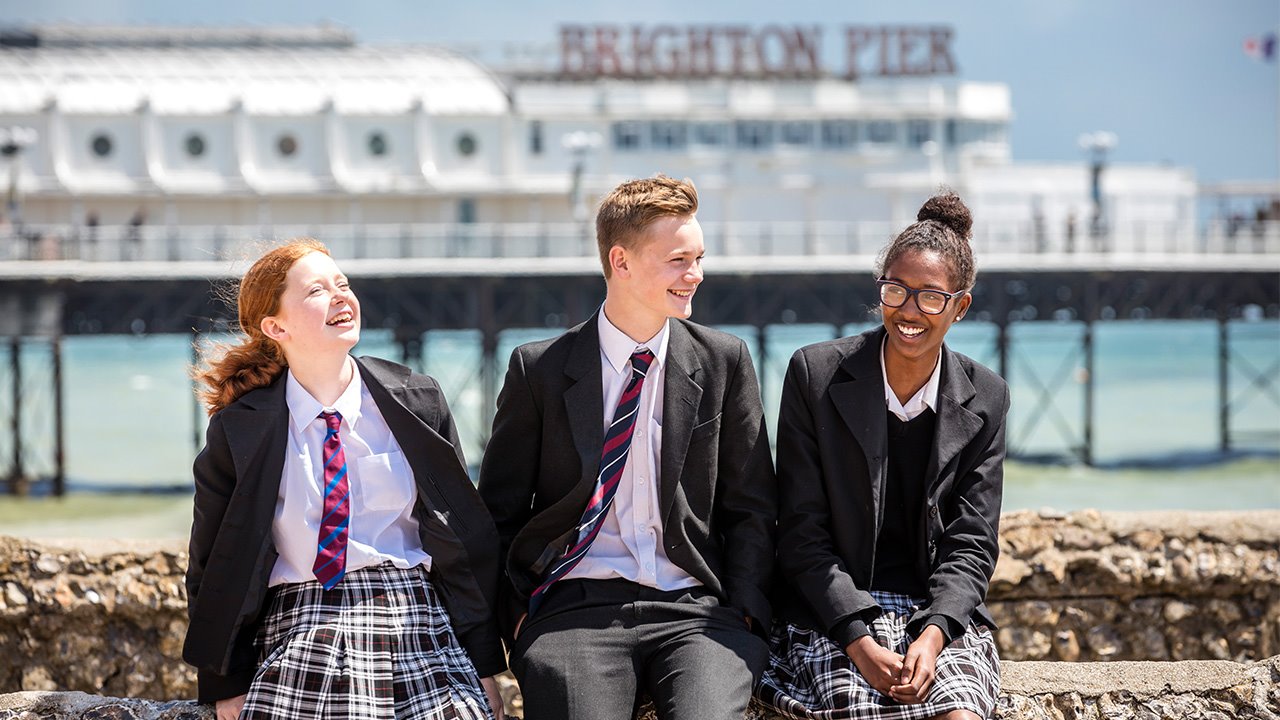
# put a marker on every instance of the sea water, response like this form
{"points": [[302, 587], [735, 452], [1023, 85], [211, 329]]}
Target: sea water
{"points": [[131, 421]]}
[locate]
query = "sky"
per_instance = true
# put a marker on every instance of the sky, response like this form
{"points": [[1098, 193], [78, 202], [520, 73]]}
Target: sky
{"points": [[1170, 79]]}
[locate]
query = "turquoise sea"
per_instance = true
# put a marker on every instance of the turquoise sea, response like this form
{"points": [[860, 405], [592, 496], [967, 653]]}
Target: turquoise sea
{"points": [[131, 421]]}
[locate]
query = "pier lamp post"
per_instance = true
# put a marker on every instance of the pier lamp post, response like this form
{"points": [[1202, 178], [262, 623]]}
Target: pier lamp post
{"points": [[1097, 144], [13, 140], [579, 143], [933, 154]]}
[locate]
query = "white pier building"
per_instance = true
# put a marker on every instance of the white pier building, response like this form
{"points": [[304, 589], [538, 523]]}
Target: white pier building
{"points": [[119, 140]]}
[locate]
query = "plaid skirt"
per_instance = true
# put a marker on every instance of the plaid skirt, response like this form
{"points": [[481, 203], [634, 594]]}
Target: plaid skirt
{"points": [[379, 645], [809, 677]]}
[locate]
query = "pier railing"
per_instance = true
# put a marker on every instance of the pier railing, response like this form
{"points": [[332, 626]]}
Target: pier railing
{"points": [[186, 243]]}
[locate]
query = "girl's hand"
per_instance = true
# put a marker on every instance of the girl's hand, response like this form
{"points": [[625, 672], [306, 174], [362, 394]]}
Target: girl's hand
{"points": [[919, 666], [229, 708], [880, 666], [490, 685]]}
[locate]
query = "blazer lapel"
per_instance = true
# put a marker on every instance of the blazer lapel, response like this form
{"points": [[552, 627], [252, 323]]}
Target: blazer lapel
{"points": [[584, 400], [860, 402], [957, 425], [681, 395]]}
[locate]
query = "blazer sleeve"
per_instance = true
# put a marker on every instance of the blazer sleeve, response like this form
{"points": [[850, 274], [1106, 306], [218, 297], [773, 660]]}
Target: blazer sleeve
{"points": [[444, 424], [508, 477], [481, 638], [807, 553], [215, 479], [747, 499], [969, 546]]}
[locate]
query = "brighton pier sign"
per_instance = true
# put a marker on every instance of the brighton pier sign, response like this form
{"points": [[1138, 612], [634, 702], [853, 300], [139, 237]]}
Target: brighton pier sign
{"points": [[739, 51]]}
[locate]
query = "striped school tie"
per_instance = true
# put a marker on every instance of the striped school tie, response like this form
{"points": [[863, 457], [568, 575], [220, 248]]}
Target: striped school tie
{"points": [[617, 446], [331, 551]]}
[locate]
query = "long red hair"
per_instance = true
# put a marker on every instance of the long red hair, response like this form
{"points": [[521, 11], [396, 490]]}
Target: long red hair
{"points": [[231, 370]]}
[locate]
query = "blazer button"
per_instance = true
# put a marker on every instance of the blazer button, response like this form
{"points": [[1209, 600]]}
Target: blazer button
{"points": [[933, 510]]}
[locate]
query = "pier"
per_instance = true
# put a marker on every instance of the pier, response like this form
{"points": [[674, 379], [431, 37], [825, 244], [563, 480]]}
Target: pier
{"points": [[521, 277]]}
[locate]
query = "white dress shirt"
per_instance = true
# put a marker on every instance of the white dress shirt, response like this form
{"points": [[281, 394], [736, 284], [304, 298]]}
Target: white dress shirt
{"points": [[629, 544], [925, 397], [383, 491]]}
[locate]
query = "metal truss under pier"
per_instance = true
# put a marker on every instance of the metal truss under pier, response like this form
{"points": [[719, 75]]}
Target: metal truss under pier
{"points": [[41, 309]]}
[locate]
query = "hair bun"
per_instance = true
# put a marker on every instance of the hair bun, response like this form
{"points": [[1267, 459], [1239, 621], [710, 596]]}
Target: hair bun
{"points": [[949, 210]]}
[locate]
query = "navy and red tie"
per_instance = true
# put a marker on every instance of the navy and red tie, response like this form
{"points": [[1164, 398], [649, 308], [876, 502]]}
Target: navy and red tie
{"points": [[613, 458], [331, 551]]}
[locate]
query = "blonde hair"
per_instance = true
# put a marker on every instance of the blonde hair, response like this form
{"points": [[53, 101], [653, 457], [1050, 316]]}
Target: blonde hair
{"points": [[230, 371], [626, 212]]}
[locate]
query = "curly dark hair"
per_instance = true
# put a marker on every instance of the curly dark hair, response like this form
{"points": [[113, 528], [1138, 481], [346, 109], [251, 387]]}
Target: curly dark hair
{"points": [[943, 225]]}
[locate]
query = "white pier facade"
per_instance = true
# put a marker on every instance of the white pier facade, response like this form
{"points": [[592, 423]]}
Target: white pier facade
{"points": [[198, 139]]}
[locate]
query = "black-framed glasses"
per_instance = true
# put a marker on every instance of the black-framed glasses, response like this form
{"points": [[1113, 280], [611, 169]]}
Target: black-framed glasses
{"points": [[931, 302]]}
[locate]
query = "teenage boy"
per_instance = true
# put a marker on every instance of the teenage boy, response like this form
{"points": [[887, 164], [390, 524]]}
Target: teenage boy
{"points": [[630, 480]]}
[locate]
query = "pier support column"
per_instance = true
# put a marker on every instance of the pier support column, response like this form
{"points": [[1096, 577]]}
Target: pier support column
{"points": [[15, 363], [762, 347], [1086, 449], [59, 440], [488, 362], [411, 347], [1002, 349], [488, 382], [1224, 383]]}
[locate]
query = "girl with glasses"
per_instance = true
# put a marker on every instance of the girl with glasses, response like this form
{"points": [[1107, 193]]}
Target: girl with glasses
{"points": [[890, 460]]}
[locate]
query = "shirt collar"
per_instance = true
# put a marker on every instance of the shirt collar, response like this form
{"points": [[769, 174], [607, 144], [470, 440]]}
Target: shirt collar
{"points": [[303, 408], [925, 397], [616, 346]]}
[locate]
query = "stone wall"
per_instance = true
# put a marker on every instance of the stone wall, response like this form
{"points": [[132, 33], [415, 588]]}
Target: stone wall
{"points": [[99, 616], [109, 617], [1138, 586], [1205, 690]]}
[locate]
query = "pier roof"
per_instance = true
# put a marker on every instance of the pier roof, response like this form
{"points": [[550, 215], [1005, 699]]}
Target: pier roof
{"points": [[268, 74]]}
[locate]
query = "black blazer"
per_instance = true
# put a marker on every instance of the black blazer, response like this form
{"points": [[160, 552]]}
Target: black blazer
{"points": [[237, 478], [832, 446], [717, 492]]}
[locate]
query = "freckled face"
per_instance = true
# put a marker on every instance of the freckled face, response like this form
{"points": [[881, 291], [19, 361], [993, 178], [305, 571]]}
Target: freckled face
{"points": [[318, 311], [912, 334]]}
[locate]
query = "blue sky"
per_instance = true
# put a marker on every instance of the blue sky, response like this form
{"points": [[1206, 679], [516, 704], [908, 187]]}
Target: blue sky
{"points": [[1169, 78]]}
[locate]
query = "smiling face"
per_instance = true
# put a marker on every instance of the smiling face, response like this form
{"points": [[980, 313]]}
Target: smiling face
{"points": [[656, 278], [914, 336], [318, 312]]}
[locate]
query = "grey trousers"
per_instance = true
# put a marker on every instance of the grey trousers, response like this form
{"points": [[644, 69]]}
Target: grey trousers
{"points": [[596, 647]]}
